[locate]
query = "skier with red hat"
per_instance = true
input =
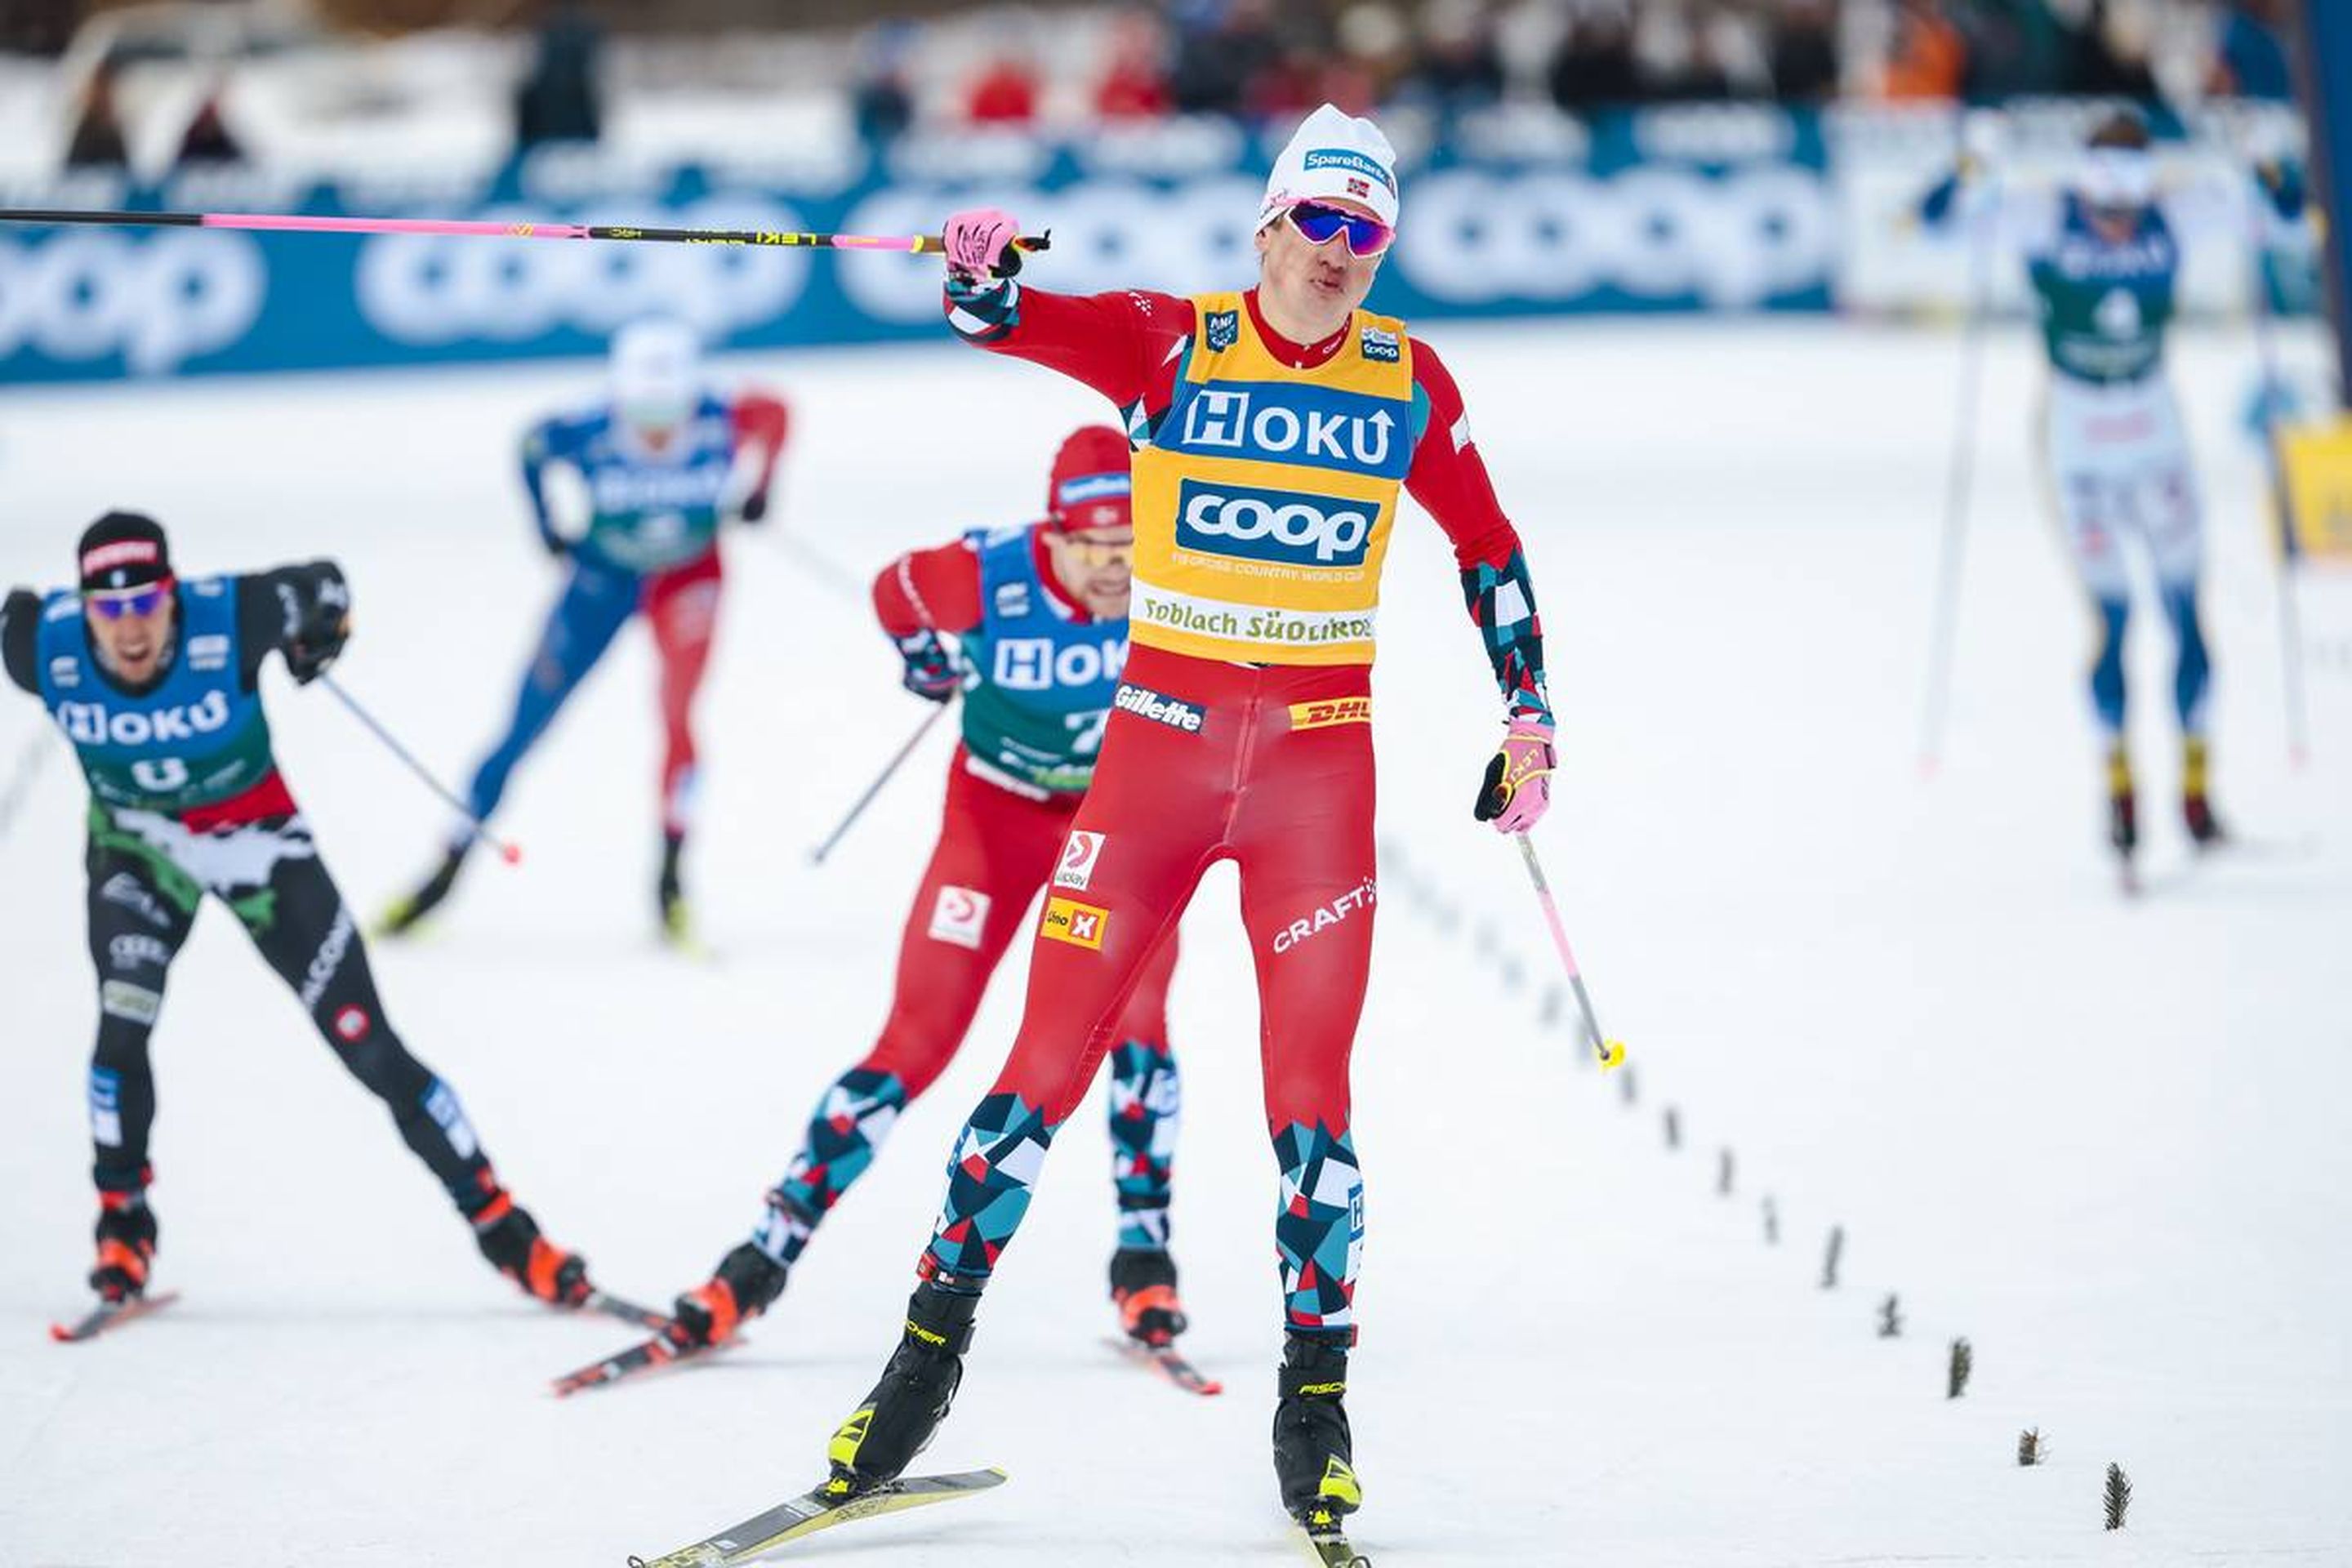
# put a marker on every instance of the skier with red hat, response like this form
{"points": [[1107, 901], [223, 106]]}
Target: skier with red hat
{"points": [[1039, 615]]}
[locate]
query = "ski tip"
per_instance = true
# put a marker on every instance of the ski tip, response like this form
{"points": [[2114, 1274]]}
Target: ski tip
{"points": [[61, 1335]]}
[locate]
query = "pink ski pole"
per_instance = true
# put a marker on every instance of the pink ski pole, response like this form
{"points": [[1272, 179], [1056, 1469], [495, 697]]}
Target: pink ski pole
{"points": [[487, 228], [1611, 1052]]}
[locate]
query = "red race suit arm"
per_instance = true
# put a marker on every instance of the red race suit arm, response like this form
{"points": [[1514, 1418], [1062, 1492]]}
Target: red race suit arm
{"points": [[930, 590]]}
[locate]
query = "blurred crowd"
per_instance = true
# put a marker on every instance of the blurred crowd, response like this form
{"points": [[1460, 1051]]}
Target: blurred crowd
{"points": [[1268, 61], [1260, 60]]}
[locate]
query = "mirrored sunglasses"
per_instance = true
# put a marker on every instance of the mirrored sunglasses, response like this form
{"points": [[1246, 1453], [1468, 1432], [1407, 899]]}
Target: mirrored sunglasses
{"points": [[113, 603], [1099, 552], [1320, 225]]}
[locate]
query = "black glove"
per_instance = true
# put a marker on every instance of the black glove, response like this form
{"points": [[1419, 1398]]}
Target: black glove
{"points": [[754, 507], [320, 634], [931, 673]]}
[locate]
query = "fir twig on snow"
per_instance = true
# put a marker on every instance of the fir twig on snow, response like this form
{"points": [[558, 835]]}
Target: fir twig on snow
{"points": [[1723, 1173], [1625, 1081], [1772, 1222], [1551, 1005], [1964, 1359], [2030, 1450], [1830, 1261], [1890, 1318], [2118, 1496], [1673, 1129]]}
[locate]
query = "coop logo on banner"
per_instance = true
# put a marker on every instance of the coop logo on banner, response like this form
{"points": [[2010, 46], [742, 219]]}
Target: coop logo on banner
{"points": [[152, 303], [1656, 234], [431, 290]]}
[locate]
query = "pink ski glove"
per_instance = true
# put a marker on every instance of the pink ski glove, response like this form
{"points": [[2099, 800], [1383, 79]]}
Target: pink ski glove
{"points": [[979, 243], [1517, 790]]}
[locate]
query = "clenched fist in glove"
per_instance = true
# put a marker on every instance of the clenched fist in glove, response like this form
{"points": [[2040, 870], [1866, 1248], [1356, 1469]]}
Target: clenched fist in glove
{"points": [[1517, 790], [931, 673], [980, 248]]}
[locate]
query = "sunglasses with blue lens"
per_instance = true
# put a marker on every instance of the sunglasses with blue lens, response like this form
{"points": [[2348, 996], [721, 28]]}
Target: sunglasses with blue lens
{"points": [[115, 604], [1320, 224]]}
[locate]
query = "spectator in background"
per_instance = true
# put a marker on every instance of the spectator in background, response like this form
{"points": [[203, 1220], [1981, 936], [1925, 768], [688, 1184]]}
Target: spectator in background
{"points": [[1699, 76], [98, 140], [1595, 67], [1930, 57], [1005, 93], [1135, 82], [1459, 66], [1375, 53], [2250, 59], [2015, 49], [560, 101], [880, 102], [1223, 46], [1802, 53], [207, 143], [2103, 60]]}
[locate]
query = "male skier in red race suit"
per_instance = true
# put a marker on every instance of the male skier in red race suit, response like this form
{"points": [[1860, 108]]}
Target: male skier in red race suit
{"points": [[1273, 430], [1039, 613]]}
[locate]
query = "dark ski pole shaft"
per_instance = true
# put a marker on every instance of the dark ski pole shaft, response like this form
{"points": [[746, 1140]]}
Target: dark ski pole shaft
{"points": [[507, 852], [2290, 549], [1609, 1053], [1958, 482], [489, 229], [890, 770]]}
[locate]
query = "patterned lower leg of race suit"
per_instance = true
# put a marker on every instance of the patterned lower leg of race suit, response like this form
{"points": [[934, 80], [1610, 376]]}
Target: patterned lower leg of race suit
{"points": [[1271, 768], [142, 905], [996, 849]]}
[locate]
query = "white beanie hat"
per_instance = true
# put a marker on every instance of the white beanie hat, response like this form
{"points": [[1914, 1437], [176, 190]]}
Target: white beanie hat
{"points": [[654, 369], [1334, 155]]}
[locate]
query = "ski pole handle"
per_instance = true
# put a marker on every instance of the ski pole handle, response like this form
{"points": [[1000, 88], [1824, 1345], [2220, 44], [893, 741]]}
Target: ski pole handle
{"points": [[508, 852], [491, 228], [1609, 1053], [817, 855]]}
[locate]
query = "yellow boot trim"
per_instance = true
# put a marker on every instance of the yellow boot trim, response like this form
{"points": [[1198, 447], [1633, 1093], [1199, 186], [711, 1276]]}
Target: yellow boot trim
{"points": [[2119, 770], [849, 1437], [2192, 766], [1339, 1485]]}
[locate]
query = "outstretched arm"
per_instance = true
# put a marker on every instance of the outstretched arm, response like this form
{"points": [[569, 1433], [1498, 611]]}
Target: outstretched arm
{"points": [[759, 422]]}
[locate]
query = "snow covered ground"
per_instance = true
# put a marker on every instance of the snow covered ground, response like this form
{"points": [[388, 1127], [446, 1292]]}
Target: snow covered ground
{"points": [[2106, 1143]]}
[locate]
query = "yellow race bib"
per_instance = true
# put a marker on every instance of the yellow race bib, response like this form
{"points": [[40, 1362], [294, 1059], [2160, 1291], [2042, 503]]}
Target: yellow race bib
{"points": [[1263, 501]]}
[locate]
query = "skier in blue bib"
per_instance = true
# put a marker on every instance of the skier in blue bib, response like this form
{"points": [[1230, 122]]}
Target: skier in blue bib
{"points": [[154, 680], [2104, 266]]}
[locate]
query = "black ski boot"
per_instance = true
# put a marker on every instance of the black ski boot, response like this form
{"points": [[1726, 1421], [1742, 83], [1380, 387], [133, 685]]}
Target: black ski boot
{"points": [[126, 1245], [1313, 1453], [678, 927], [2196, 804], [746, 1283], [1143, 1287], [2122, 810], [883, 1436], [404, 913]]}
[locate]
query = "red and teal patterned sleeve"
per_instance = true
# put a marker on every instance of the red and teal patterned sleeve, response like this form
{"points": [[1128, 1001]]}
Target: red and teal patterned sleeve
{"points": [[1450, 480], [1118, 343]]}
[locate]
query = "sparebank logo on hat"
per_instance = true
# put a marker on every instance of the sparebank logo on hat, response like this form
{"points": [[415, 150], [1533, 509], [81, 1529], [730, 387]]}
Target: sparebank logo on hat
{"points": [[1094, 487], [1354, 162]]}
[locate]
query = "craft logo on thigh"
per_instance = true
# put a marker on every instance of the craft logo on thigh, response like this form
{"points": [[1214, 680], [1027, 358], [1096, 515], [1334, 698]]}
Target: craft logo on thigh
{"points": [[352, 1024], [1334, 711], [1080, 925], [1363, 896], [1078, 857], [959, 916]]}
